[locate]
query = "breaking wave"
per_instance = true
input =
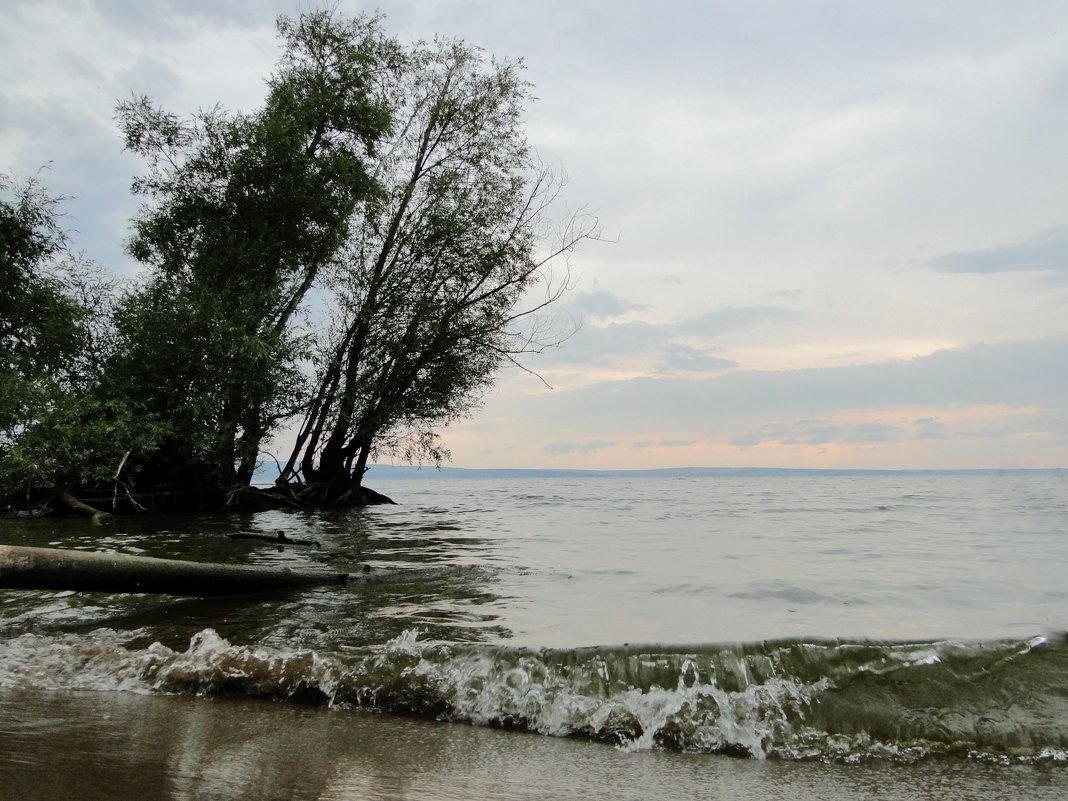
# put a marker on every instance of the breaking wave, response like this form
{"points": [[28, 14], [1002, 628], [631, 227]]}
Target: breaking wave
{"points": [[1002, 701]]}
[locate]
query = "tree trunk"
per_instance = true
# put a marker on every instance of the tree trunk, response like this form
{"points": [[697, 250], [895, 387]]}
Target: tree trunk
{"points": [[360, 467], [57, 569]]}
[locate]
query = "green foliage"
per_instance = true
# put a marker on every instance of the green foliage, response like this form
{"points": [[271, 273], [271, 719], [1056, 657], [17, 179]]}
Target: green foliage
{"points": [[53, 318], [81, 441], [41, 329], [394, 186], [427, 296], [245, 211]]}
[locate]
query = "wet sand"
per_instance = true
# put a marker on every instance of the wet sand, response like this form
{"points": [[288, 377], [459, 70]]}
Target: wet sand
{"points": [[107, 745]]}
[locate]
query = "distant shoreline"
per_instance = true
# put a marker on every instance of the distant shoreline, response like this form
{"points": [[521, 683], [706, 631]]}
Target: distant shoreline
{"points": [[384, 471]]}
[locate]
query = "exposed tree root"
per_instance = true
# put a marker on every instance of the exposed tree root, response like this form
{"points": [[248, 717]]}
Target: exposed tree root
{"points": [[178, 498]]}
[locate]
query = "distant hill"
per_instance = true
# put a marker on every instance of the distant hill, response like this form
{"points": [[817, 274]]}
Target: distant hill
{"points": [[383, 472], [386, 471]]}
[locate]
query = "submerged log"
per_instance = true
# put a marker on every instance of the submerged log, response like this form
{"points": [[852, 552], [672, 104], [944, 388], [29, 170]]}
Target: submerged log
{"points": [[99, 517], [279, 537], [58, 569]]}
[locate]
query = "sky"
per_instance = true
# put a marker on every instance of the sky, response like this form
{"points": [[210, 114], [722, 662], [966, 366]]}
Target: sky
{"points": [[835, 232]]}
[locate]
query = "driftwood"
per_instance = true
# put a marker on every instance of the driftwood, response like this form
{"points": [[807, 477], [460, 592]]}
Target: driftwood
{"points": [[58, 569]]}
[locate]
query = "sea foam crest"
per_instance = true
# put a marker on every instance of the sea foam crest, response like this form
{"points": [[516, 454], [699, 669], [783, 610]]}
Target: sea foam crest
{"points": [[74, 662], [793, 700], [526, 689]]}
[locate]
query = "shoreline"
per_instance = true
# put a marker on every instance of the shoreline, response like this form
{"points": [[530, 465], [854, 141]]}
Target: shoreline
{"points": [[103, 745]]}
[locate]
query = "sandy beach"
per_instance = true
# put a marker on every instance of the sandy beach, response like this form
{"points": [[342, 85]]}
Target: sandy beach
{"points": [[95, 745]]}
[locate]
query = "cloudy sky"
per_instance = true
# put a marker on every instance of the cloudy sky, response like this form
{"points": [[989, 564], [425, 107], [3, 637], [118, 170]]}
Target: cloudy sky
{"points": [[839, 229]]}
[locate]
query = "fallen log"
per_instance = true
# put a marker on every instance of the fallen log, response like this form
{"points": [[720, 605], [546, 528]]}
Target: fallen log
{"points": [[58, 569]]}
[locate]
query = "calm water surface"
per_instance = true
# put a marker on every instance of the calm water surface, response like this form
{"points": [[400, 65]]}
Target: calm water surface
{"points": [[725, 559]]}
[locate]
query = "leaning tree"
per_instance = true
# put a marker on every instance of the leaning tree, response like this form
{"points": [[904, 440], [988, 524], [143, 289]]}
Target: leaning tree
{"points": [[357, 258], [243, 212], [445, 273]]}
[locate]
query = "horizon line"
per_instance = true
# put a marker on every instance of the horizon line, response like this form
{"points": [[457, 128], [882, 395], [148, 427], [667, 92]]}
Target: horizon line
{"points": [[431, 470]]}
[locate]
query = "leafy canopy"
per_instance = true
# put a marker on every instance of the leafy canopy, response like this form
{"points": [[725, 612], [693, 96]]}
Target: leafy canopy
{"points": [[362, 253]]}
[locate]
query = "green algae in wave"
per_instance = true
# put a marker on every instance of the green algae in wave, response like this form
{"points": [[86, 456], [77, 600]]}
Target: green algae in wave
{"points": [[1000, 701]]}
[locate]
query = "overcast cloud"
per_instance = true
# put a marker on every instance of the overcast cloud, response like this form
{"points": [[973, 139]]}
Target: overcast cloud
{"points": [[841, 229]]}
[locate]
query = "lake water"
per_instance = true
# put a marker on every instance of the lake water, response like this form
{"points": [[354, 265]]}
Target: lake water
{"points": [[899, 631]]}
